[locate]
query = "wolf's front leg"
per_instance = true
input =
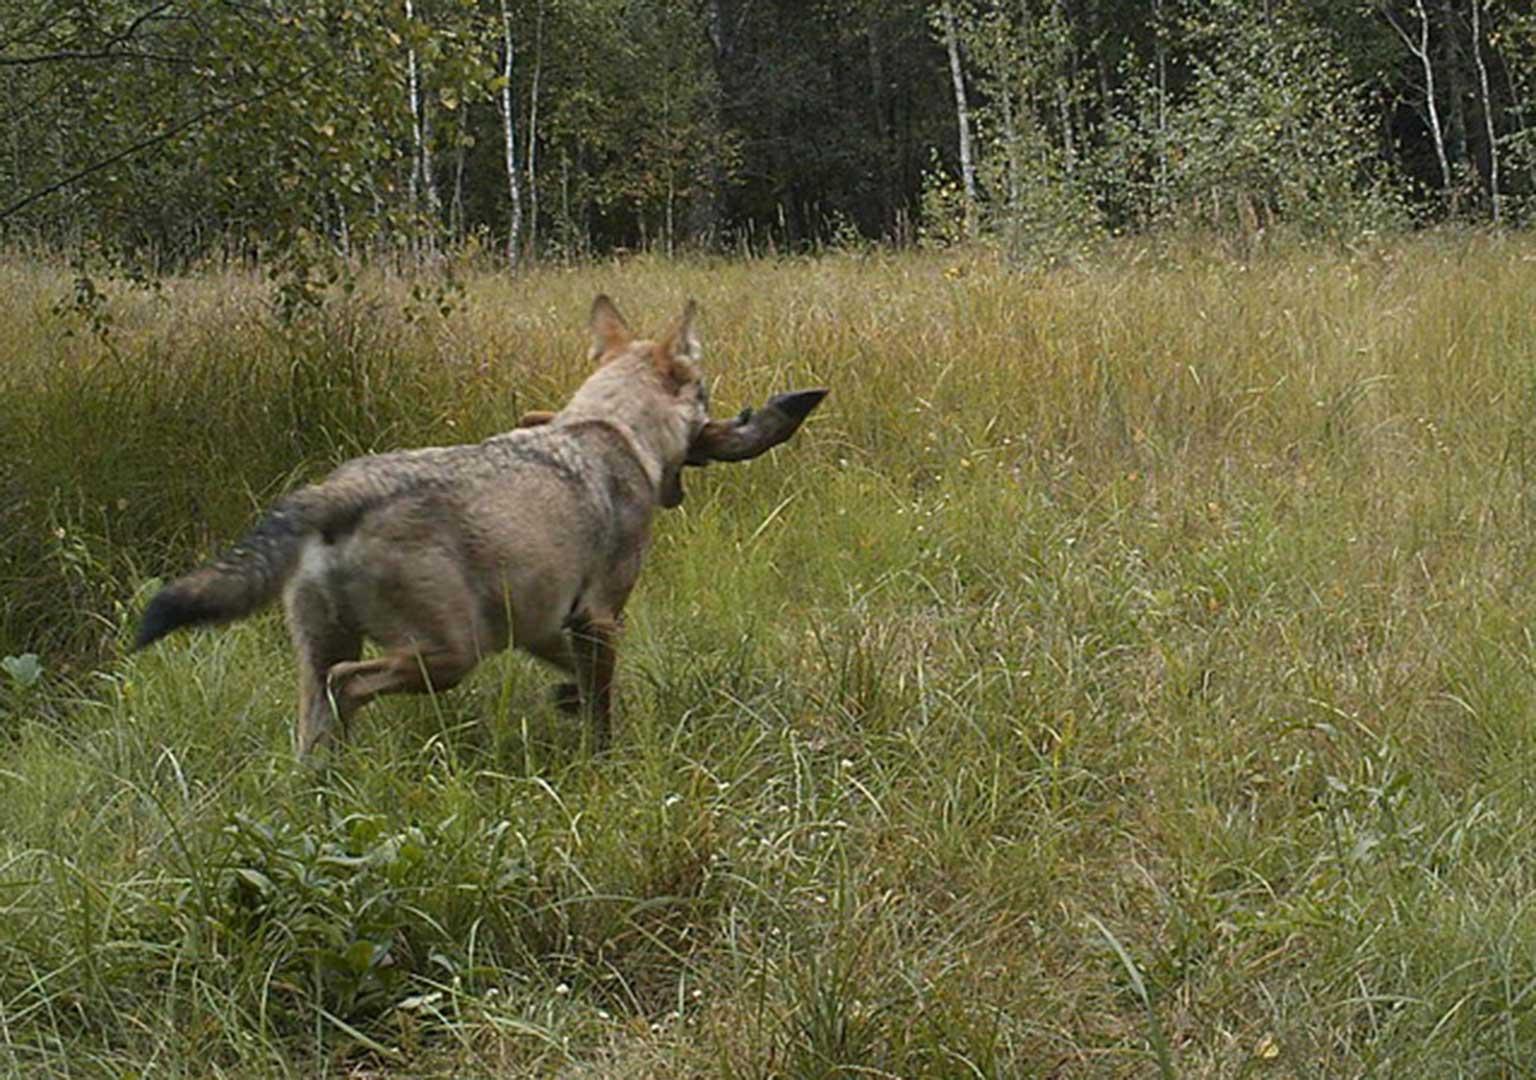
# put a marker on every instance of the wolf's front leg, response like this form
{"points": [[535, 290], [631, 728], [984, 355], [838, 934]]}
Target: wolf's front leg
{"points": [[592, 645]]}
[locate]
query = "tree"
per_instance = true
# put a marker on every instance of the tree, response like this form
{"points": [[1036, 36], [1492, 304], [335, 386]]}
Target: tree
{"points": [[1414, 30], [1270, 127], [1036, 138], [509, 129], [1485, 99], [962, 113], [167, 131]]}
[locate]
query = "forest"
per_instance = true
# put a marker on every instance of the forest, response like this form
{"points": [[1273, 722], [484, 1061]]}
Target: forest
{"points": [[164, 132]]}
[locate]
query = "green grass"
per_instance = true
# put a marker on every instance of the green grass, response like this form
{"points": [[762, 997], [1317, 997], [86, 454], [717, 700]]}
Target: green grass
{"points": [[1127, 672]]}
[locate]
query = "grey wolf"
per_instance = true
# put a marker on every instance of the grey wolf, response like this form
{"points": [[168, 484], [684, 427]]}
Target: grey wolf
{"points": [[443, 555]]}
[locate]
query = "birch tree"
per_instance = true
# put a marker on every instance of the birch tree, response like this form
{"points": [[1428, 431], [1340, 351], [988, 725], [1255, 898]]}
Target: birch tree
{"points": [[1486, 100], [413, 102], [509, 140], [531, 141], [1416, 38], [962, 116]]}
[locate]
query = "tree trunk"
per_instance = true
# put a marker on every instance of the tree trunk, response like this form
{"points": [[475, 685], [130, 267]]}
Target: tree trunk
{"points": [[670, 224], [1162, 101], [567, 223], [509, 142], [530, 155], [883, 137], [1011, 148], [962, 118], [1487, 105], [423, 184], [434, 199], [456, 204], [1453, 68], [1066, 82], [413, 191], [1436, 128], [721, 24], [1419, 48], [1064, 111]]}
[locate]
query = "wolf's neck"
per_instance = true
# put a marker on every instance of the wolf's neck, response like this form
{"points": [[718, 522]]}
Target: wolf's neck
{"points": [[631, 399], [624, 437]]}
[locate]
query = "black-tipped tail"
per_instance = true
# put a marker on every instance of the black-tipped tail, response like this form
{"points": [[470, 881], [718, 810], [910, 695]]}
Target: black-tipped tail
{"points": [[247, 576], [170, 608]]}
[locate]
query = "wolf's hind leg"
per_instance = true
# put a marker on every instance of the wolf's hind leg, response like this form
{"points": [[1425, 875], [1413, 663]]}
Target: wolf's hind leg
{"points": [[355, 683], [426, 626], [321, 639]]}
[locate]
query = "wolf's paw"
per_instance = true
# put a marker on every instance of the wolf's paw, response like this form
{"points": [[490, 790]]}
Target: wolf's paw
{"points": [[566, 697]]}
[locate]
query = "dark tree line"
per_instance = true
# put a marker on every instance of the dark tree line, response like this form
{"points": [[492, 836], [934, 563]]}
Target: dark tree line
{"points": [[176, 130]]}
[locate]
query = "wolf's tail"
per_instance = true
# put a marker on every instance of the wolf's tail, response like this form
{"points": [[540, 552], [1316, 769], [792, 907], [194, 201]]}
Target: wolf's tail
{"points": [[251, 573]]}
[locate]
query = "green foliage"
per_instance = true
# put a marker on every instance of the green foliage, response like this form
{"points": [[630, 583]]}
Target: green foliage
{"points": [[1271, 129], [1041, 204], [309, 137], [1229, 118], [21, 680], [341, 913], [944, 213], [24, 670]]}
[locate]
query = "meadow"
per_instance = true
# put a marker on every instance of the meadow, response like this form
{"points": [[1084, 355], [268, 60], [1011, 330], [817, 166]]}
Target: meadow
{"points": [[1126, 672]]}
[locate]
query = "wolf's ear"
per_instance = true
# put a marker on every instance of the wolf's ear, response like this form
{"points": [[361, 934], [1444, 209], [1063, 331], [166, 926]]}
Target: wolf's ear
{"points": [[609, 330], [680, 349]]}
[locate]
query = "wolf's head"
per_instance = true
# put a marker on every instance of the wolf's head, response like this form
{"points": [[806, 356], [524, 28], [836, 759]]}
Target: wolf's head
{"points": [[653, 390], [656, 391]]}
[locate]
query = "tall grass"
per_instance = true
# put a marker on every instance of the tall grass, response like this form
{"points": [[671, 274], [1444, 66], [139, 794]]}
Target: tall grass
{"points": [[1127, 672]]}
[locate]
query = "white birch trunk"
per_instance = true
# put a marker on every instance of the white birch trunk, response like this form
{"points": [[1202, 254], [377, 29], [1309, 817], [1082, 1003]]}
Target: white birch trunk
{"points": [[1064, 112], [1011, 143], [530, 155], [414, 191], [1420, 51], [509, 130], [1162, 103], [1436, 128], [962, 118], [434, 199], [1482, 78]]}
